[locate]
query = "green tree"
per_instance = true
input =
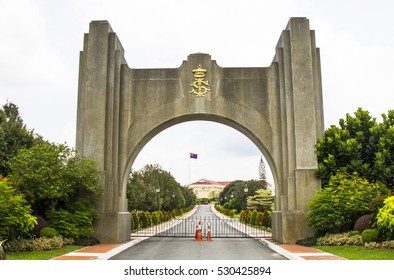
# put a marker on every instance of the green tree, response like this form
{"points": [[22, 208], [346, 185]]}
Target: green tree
{"points": [[60, 186], [234, 195], [360, 144], [262, 170], [13, 136], [346, 198], [263, 200], [15, 213], [142, 186], [52, 176], [383, 168]]}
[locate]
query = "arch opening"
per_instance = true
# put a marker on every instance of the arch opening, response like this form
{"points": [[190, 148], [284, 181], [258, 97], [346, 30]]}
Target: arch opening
{"points": [[184, 128]]}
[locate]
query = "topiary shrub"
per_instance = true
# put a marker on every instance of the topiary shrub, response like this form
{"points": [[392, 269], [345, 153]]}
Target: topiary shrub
{"points": [[253, 217], [363, 223], [48, 232], [155, 218], [145, 219], [244, 216], [135, 223], [369, 235], [259, 219]]}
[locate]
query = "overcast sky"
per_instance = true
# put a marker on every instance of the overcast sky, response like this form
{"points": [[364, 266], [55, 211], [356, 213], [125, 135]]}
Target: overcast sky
{"points": [[41, 40]]}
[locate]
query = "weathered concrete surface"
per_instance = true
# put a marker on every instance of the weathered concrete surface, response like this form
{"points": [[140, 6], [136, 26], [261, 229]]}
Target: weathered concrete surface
{"points": [[279, 108]]}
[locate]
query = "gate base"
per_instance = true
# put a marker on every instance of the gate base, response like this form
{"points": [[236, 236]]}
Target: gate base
{"points": [[113, 227]]}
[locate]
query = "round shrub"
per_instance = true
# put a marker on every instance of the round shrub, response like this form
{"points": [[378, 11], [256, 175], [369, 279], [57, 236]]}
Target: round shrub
{"points": [[353, 233], [369, 235], [48, 232], [363, 223]]}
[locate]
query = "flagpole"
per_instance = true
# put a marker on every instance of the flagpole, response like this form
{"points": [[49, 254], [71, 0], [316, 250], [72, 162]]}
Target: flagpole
{"points": [[189, 170]]}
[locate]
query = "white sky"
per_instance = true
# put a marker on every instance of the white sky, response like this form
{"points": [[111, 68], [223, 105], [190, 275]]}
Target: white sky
{"points": [[41, 40]]}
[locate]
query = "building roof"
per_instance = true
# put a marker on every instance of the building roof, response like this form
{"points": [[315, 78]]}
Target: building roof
{"points": [[210, 183]]}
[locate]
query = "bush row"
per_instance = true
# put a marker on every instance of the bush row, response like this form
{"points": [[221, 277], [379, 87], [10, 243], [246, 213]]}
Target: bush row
{"points": [[384, 245], [144, 219], [36, 244], [256, 218], [225, 211], [369, 238], [251, 217]]}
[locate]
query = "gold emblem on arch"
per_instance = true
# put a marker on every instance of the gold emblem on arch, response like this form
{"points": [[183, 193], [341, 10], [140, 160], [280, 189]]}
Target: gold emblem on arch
{"points": [[200, 87]]}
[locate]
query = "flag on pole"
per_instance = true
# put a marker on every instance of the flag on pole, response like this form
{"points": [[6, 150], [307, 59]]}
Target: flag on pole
{"points": [[192, 155]]}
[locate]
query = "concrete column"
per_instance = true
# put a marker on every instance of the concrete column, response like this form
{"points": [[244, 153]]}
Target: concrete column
{"points": [[98, 123], [301, 105]]}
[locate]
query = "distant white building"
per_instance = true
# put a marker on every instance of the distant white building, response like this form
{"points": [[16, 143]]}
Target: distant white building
{"points": [[208, 189]]}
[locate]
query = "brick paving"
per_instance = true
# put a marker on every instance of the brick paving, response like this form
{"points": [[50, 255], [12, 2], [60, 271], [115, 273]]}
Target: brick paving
{"points": [[307, 253]]}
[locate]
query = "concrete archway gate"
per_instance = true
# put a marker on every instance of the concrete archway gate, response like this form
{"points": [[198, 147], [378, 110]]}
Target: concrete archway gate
{"points": [[279, 108]]}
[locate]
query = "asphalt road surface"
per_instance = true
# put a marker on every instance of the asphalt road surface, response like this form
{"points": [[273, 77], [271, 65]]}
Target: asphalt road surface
{"points": [[185, 248]]}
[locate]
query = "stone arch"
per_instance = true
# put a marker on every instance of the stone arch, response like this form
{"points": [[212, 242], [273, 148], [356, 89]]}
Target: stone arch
{"points": [[279, 108]]}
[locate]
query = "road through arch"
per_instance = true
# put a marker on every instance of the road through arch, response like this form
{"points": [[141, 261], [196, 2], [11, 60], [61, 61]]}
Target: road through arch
{"points": [[279, 108]]}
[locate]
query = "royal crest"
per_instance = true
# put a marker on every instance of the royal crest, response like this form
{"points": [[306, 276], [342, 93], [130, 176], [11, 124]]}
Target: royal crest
{"points": [[199, 87]]}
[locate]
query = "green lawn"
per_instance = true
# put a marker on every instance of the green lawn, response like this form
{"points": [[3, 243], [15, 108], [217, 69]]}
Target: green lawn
{"points": [[352, 252], [41, 255]]}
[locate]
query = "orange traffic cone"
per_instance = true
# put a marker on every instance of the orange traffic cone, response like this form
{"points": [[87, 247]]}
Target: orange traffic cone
{"points": [[198, 236], [209, 234]]}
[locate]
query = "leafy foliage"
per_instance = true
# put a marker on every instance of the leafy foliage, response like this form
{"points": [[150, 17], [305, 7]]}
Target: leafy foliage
{"points": [[370, 235], [41, 223], [75, 222], [385, 219], [16, 218], [263, 200], [142, 194], [234, 195], [361, 145], [345, 198], [52, 176], [48, 232], [34, 244], [60, 186], [13, 136], [339, 239]]}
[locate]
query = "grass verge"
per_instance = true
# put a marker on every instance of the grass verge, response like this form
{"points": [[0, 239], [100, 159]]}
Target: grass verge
{"points": [[353, 252], [41, 255]]}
